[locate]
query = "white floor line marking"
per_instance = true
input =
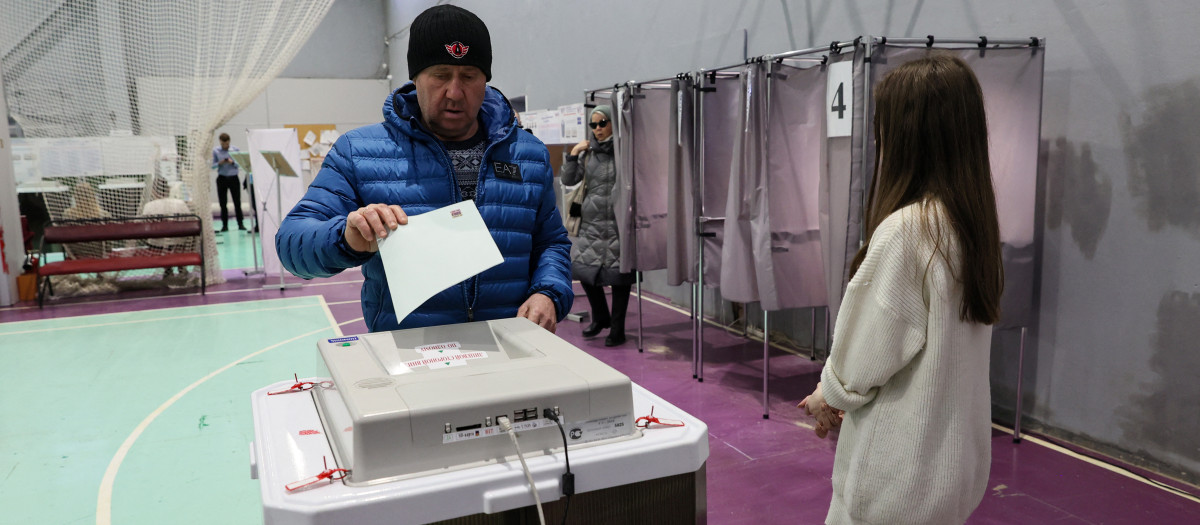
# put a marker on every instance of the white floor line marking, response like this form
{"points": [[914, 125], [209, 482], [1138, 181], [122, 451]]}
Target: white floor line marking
{"points": [[1033, 439], [139, 321], [719, 325], [104, 500], [302, 285], [1093, 461], [172, 296], [730, 445], [337, 329], [350, 321], [168, 308], [346, 302]]}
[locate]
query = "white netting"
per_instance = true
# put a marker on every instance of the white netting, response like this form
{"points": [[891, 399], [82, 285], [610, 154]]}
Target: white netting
{"points": [[119, 100]]}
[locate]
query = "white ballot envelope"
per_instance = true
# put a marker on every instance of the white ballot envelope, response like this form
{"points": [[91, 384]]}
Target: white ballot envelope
{"points": [[435, 251]]}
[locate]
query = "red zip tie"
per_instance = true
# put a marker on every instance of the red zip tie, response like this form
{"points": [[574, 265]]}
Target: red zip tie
{"points": [[646, 421], [331, 474], [301, 386]]}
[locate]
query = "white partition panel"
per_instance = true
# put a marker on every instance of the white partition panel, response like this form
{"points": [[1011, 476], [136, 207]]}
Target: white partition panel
{"points": [[276, 194]]}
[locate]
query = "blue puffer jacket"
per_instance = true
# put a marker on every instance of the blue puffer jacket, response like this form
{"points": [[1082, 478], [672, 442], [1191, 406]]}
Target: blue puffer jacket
{"points": [[397, 162]]}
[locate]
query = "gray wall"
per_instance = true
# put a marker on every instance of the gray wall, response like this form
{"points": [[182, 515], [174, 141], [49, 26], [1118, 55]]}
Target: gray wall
{"points": [[348, 43], [1115, 360]]}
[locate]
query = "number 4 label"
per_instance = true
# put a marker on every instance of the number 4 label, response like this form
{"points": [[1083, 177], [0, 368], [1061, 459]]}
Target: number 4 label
{"points": [[839, 99]]}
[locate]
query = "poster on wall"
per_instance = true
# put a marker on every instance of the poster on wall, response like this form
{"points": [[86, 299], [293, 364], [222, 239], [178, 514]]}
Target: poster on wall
{"points": [[549, 127], [78, 157], [528, 120], [574, 127], [24, 157]]}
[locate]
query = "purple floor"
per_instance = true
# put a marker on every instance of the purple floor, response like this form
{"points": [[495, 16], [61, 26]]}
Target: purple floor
{"points": [[759, 470]]}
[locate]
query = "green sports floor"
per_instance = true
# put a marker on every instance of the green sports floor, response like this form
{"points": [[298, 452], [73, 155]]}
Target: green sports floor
{"points": [[154, 403]]}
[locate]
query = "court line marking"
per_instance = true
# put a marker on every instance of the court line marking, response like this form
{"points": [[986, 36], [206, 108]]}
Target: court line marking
{"points": [[337, 328], [727, 328], [1088, 459], [1034, 439], [730, 445], [139, 321], [104, 499], [173, 296], [355, 320]]}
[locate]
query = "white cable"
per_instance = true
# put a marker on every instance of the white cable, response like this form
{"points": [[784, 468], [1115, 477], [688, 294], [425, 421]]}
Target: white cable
{"points": [[507, 427]]}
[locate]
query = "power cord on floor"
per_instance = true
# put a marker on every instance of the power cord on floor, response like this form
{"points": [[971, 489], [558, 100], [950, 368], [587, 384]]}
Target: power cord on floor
{"points": [[507, 427], [568, 479]]}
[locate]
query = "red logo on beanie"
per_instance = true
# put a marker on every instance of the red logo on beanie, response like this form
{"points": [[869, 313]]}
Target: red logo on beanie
{"points": [[457, 49]]}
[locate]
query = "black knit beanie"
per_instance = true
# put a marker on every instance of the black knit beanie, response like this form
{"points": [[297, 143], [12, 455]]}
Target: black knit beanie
{"points": [[448, 34]]}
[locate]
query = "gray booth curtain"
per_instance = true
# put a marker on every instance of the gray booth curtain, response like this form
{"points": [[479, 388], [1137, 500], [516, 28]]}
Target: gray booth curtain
{"points": [[623, 188], [1011, 79], [772, 240], [681, 218], [718, 128], [789, 254], [842, 189], [745, 203], [642, 156]]}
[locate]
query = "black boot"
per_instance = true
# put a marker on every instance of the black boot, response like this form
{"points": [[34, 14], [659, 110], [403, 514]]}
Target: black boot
{"points": [[599, 304], [620, 303], [616, 337], [594, 329]]}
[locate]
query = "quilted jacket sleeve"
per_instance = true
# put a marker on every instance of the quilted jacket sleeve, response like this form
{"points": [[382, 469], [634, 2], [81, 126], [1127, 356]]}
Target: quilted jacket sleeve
{"points": [[551, 256], [310, 241], [572, 170]]}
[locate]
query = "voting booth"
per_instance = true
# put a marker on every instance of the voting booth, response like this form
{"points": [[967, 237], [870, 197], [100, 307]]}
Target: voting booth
{"points": [[410, 426]]}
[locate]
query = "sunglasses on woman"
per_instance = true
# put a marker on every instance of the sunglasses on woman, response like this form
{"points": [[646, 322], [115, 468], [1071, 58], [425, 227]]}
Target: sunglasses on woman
{"points": [[598, 124]]}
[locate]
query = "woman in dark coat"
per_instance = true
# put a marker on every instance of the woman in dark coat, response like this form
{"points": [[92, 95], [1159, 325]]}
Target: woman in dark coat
{"points": [[596, 257]]}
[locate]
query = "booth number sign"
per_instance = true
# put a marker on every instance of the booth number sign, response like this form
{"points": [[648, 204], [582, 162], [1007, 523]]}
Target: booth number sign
{"points": [[839, 99]]}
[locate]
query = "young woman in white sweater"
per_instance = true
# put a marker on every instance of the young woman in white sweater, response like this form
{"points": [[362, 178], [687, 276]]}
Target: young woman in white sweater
{"points": [[907, 377]]}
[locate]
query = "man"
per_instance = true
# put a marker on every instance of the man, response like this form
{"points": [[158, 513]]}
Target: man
{"points": [[446, 137], [227, 182]]}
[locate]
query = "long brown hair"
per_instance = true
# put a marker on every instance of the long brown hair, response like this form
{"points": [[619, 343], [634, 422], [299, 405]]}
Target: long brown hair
{"points": [[931, 146]]}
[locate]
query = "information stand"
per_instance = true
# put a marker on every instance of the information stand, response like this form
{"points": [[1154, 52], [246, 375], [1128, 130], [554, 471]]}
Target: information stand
{"points": [[242, 159], [282, 168]]}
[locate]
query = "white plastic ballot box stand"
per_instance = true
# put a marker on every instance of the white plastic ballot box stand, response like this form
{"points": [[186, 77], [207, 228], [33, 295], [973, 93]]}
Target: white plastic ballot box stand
{"points": [[290, 445]]}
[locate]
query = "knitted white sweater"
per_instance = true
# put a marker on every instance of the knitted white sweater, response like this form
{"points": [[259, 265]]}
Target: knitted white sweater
{"points": [[915, 445]]}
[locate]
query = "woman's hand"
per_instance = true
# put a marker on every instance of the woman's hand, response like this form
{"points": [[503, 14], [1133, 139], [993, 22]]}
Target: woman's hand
{"points": [[828, 418], [580, 148]]}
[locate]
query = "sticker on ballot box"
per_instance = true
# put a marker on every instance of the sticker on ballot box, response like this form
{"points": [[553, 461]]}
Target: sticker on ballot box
{"points": [[446, 360], [466, 435], [597, 429], [453, 346], [343, 339]]}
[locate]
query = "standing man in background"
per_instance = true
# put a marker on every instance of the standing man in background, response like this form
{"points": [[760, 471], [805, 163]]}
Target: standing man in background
{"points": [[227, 182], [446, 137]]}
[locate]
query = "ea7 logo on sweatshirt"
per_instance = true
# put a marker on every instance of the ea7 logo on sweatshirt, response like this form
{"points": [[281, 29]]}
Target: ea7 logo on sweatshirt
{"points": [[457, 49], [507, 171]]}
